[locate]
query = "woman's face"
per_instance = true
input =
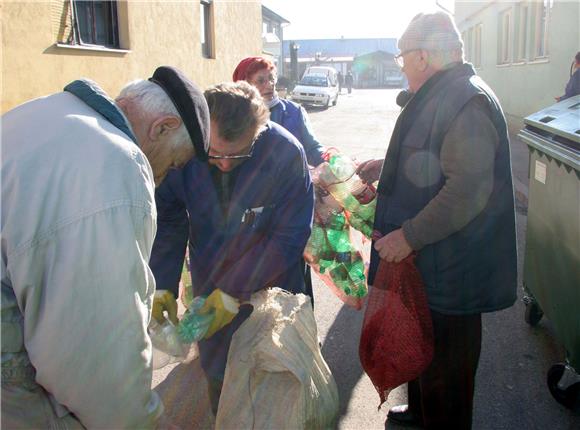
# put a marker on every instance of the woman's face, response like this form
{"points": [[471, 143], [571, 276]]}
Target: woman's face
{"points": [[265, 81]]}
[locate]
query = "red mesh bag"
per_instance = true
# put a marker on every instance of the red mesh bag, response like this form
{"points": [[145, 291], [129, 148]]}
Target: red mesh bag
{"points": [[396, 343]]}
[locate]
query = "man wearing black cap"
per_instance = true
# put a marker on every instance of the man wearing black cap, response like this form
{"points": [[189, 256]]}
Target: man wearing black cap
{"points": [[445, 191], [78, 220]]}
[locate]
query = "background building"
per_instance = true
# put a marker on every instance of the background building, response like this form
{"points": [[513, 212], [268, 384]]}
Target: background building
{"points": [[520, 49], [337, 53], [378, 70], [273, 36], [47, 44]]}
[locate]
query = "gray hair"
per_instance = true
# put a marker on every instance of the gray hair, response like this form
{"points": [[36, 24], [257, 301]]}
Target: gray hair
{"points": [[154, 101]]}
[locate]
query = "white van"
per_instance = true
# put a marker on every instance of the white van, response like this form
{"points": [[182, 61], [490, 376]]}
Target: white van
{"points": [[319, 86], [329, 72]]}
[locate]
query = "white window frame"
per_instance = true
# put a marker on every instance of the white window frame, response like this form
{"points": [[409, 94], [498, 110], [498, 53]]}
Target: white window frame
{"points": [[523, 31], [543, 14], [206, 28], [505, 44]]}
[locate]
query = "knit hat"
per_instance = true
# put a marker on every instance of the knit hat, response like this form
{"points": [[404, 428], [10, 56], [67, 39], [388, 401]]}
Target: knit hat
{"points": [[249, 66], [189, 102], [431, 31]]}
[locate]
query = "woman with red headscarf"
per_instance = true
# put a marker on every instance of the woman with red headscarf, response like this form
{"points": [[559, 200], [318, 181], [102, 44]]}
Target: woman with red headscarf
{"points": [[262, 74]]}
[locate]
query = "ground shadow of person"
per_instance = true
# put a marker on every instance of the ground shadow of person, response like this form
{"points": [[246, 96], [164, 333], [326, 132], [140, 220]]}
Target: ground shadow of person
{"points": [[340, 350], [184, 395]]}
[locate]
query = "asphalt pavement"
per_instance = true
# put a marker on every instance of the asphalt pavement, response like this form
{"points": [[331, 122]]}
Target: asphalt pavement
{"points": [[511, 391]]}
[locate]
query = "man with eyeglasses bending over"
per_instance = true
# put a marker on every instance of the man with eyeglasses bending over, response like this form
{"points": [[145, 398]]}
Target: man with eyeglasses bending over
{"points": [[445, 192], [247, 212]]}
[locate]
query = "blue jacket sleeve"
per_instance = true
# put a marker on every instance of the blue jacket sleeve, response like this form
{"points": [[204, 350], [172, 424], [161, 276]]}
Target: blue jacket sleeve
{"points": [[573, 86], [168, 252], [311, 145], [283, 246]]}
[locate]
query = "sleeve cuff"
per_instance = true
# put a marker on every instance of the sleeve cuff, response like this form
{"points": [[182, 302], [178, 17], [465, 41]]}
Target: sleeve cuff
{"points": [[411, 237]]}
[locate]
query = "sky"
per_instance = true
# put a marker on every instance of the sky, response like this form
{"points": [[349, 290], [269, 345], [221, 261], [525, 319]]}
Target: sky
{"points": [[332, 19]]}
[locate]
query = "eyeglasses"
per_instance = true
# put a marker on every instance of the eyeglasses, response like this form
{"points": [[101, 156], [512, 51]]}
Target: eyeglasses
{"points": [[233, 157], [399, 57], [271, 79]]}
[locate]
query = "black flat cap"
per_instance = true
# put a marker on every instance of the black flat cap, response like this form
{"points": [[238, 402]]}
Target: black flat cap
{"points": [[190, 103]]}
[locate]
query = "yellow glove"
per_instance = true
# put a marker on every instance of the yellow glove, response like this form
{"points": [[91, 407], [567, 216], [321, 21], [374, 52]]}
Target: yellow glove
{"points": [[164, 300], [225, 308]]}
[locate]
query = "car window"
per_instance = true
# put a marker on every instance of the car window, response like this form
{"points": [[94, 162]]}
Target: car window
{"points": [[314, 81]]}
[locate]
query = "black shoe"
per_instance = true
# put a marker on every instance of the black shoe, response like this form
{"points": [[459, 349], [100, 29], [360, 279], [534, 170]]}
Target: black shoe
{"points": [[402, 416]]}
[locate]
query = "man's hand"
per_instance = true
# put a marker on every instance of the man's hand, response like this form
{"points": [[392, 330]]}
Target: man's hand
{"points": [[164, 301], [393, 247], [370, 170], [225, 308]]}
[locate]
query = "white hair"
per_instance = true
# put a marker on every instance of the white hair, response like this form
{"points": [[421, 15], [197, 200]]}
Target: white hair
{"points": [[154, 101]]}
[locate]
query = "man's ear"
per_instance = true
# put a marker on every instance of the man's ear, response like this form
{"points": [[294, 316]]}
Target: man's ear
{"points": [[162, 126], [424, 59]]}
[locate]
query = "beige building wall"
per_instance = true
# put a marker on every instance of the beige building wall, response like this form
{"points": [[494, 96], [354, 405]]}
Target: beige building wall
{"points": [[152, 33], [526, 85]]}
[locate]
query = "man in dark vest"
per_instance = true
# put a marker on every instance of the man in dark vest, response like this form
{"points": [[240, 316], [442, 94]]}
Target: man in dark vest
{"points": [[445, 192]]}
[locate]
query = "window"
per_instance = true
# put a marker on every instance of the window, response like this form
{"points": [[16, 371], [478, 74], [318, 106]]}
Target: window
{"points": [[543, 11], [505, 37], [523, 32], [96, 23], [206, 29], [477, 45]]}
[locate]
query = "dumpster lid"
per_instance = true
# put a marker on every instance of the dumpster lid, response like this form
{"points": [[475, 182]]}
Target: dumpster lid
{"points": [[561, 119]]}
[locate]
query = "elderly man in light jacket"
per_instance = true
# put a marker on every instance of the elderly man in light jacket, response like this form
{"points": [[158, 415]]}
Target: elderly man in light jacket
{"points": [[78, 221]]}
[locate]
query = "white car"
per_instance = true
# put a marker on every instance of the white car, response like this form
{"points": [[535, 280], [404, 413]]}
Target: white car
{"points": [[316, 90]]}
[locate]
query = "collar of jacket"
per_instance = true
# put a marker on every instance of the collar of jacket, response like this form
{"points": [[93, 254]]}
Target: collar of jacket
{"points": [[91, 94], [432, 88]]}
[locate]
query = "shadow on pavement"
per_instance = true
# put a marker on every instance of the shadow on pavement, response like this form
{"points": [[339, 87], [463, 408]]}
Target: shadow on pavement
{"points": [[340, 350], [184, 394], [310, 108]]}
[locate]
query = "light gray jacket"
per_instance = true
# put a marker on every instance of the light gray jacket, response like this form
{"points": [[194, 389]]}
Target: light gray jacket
{"points": [[78, 222]]}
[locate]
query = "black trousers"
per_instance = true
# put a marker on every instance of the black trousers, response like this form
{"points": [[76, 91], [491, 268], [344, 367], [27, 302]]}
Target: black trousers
{"points": [[443, 394]]}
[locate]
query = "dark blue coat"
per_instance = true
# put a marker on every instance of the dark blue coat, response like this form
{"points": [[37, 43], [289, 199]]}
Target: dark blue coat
{"points": [[293, 118], [237, 256]]}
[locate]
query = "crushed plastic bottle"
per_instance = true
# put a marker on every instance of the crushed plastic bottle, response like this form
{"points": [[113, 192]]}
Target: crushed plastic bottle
{"points": [[344, 170], [193, 326]]}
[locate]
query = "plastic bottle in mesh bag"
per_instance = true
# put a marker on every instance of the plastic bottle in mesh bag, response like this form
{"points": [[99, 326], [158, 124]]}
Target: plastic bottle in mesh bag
{"points": [[349, 182]]}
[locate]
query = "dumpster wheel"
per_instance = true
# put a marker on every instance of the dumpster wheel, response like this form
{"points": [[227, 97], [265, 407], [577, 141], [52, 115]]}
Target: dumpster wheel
{"points": [[569, 397], [533, 313]]}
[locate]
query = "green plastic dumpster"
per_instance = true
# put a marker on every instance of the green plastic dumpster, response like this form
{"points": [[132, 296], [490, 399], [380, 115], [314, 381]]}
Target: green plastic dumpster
{"points": [[552, 256]]}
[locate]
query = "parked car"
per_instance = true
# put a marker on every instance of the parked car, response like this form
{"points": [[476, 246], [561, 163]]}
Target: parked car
{"points": [[394, 78], [316, 89], [329, 72]]}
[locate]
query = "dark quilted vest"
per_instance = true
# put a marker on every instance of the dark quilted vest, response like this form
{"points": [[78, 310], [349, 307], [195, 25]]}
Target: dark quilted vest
{"points": [[475, 269]]}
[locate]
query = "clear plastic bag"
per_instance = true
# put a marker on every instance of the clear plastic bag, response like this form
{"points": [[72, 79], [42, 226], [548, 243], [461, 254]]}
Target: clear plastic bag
{"points": [[167, 347], [171, 344]]}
